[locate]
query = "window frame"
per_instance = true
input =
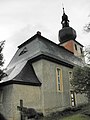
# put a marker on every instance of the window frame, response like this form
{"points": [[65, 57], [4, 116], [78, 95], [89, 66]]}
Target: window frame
{"points": [[23, 51], [81, 50], [1, 96], [76, 47], [73, 98], [59, 82], [70, 75]]}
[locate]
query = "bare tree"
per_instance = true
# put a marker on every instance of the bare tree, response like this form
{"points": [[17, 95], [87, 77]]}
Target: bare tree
{"points": [[87, 27], [1, 59], [87, 54]]}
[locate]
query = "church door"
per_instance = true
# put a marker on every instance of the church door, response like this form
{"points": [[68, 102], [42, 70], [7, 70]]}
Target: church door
{"points": [[73, 103]]}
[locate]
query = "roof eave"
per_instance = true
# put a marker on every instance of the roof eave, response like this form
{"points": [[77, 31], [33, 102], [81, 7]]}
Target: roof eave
{"points": [[19, 82], [53, 59]]}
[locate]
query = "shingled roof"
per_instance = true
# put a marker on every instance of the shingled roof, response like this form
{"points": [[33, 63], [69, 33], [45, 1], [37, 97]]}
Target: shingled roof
{"points": [[21, 74], [35, 48], [39, 45]]}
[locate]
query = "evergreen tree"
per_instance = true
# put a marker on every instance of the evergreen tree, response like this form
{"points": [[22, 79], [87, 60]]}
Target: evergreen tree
{"points": [[81, 80]]}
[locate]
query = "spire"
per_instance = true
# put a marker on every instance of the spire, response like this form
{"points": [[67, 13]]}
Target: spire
{"points": [[63, 10], [65, 21], [66, 33]]}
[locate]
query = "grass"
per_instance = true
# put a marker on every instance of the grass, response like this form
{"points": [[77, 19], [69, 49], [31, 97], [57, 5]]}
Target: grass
{"points": [[70, 117], [76, 117], [78, 113]]}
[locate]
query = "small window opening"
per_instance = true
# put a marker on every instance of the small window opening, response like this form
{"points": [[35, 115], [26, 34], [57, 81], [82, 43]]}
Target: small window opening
{"points": [[81, 50], [23, 51], [59, 79], [75, 47], [1, 96], [70, 75]]}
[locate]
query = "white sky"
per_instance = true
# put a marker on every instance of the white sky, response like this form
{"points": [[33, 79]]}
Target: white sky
{"points": [[20, 19]]}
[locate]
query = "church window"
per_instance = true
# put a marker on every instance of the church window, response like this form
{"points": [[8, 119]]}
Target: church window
{"points": [[59, 79], [23, 51], [75, 47], [81, 50], [70, 75], [73, 102], [1, 96]]}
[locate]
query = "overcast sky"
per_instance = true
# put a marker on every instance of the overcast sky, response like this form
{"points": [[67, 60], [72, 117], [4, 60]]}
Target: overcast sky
{"points": [[20, 19]]}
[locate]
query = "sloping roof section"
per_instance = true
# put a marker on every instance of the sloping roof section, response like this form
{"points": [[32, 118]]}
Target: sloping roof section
{"points": [[27, 75], [21, 74], [39, 45]]}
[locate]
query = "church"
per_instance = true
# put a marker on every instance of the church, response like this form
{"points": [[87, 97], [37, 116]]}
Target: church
{"points": [[38, 76]]}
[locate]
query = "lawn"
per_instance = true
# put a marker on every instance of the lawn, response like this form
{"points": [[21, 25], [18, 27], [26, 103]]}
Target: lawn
{"points": [[70, 114], [70, 117], [76, 117]]}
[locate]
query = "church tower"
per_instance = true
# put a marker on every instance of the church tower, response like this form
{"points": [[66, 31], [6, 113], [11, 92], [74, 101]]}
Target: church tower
{"points": [[67, 36]]}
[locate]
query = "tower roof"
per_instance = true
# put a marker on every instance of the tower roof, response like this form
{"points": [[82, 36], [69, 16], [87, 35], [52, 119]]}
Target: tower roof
{"points": [[66, 33]]}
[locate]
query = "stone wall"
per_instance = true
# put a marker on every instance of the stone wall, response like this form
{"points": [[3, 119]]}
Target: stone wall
{"points": [[52, 100], [12, 94], [45, 98], [6, 107], [31, 96]]}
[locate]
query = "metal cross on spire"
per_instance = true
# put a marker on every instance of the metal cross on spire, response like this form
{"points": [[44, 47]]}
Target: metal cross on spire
{"points": [[65, 21], [63, 8]]}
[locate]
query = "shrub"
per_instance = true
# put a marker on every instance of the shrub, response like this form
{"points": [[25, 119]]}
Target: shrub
{"points": [[2, 117]]}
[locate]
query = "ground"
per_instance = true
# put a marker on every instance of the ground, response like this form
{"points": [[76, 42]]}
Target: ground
{"points": [[71, 117], [79, 113], [76, 117]]}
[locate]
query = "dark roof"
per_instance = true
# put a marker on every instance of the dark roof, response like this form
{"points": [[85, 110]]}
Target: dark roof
{"points": [[53, 59], [25, 76], [38, 47], [67, 34], [29, 40]]}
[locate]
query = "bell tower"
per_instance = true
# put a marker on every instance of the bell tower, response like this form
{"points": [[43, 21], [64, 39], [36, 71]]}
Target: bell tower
{"points": [[67, 37]]}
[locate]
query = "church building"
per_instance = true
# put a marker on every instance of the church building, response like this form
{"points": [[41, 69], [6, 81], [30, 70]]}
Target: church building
{"points": [[39, 74]]}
